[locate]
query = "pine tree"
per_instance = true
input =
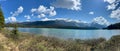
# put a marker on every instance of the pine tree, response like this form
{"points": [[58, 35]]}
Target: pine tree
{"points": [[1, 18]]}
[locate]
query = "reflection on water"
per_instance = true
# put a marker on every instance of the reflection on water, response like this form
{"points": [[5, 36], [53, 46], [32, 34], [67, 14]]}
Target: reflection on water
{"points": [[71, 33]]}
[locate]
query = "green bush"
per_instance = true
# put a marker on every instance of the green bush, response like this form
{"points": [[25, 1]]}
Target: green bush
{"points": [[14, 33]]}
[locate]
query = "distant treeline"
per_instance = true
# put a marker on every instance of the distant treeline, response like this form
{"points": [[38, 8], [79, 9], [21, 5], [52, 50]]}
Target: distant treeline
{"points": [[42, 24], [45, 25], [114, 26]]}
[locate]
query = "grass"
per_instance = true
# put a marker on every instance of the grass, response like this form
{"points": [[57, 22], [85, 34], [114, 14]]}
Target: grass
{"points": [[29, 42]]}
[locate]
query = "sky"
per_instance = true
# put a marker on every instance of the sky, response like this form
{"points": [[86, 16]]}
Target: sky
{"points": [[99, 11]]}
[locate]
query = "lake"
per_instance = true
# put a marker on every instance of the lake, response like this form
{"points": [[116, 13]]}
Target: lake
{"points": [[71, 33]]}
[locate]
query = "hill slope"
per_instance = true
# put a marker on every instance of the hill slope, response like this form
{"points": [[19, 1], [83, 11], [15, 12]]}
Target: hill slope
{"points": [[114, 26]]}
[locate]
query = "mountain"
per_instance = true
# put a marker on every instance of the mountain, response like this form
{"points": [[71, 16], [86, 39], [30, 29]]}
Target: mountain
{"points": [[94, 24], [114, 26], [59, 24]]}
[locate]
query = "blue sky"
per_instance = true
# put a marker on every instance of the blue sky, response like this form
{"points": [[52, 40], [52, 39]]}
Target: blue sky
{"points": [[100, 11]]}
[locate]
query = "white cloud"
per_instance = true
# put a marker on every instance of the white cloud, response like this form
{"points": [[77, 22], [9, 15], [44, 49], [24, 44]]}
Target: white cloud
{"points": [[12, 18], [112, 4], [52, 13], [27, 16], [69, 4], [41, 15], [33, 10], [110, 1], [46, 19], [16, 13], [11, 12], [64, 19], [115, 14], [100, 20], [91, 13], [68, 20], [43, 11], [32, 14], [5, 19]]}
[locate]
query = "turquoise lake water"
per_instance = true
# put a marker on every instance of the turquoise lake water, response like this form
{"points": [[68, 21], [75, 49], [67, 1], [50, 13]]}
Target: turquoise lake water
{"points": [[71, 33]]}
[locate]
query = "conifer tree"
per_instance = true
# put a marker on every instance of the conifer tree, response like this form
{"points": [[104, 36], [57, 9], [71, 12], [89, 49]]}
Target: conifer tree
{"points": [[1, 18]]}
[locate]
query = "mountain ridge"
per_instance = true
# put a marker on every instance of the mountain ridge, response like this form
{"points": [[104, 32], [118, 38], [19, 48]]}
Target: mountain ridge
{"points": [[59, 24]]}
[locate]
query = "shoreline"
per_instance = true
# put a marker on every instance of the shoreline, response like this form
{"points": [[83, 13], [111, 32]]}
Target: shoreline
{"points": [[37, 43]]}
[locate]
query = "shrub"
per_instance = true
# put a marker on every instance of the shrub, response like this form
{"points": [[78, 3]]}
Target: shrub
{"points": [[14, 33]]}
